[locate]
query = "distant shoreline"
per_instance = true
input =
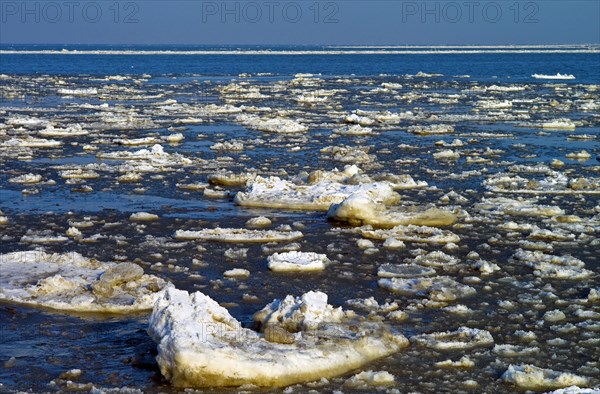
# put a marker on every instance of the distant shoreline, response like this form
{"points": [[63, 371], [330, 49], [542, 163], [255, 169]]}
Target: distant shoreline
{"points": [[437, 50]]}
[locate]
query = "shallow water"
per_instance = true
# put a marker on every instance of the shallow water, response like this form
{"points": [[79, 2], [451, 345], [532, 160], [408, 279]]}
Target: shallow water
{"points": [[115, 351]]}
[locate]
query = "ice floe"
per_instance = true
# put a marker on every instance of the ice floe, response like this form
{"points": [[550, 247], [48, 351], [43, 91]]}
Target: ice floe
{"points": [[555, 76], [411, 233], [297, 262], [31, 142], [552, 183], [439, 288], [26, 179], [272, 125], [462, 338], [529, 377], [360, 208], [258, 222], [404, 271], [71, 282], [228, 178], [238, 235], [355, 129], [143, 217], [274, 192], [236, 273], [553, 267], [431, 129], [464, 362], [575, 390], [518, 207], [301, 339], [366, 379], [155, 155], [559, 124], [75, 130]]}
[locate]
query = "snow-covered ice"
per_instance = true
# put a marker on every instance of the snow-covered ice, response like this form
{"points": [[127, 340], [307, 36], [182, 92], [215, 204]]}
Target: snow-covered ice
{"points": [[71, 282], [238, 235], [297, 261], [530, 377], [301, 339]]}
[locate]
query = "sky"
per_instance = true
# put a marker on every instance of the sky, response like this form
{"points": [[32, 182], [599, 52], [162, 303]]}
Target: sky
{"points": [[300, 22]]}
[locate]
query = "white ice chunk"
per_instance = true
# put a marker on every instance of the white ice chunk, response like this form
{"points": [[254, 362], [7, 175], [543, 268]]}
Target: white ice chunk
{"points": [[447, 154], [550, 266], [354, 129], [274, 192], [70, 131], [272, 125], [431, 129], [530, 377], [78, 173], [411, 233], [304, 339], [26, 179], [370, 378], [31, 142], [362, 208], [404, 271], [236, 273], [155, 155], [462, 338], [555, 76], [440, 288], [238, 235], [575, 390], [559, 124], [464, 362], [72, 282], [143, 217], [297, 261]]}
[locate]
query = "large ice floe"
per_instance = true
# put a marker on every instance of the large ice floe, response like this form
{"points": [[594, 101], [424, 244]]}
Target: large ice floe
{"points": [[72, 282], [461, 338], [295, 261], [553, 267], [349, 197], [412, 233], [155, 155], [553, 183], [71, 131], [361, 208], [238, 235], [301, 339], [518, 207], [318, 193], [439, 288], [530, 377], [271, 125], [31, 142], [431, 129], [558, 76], [559, 124]]}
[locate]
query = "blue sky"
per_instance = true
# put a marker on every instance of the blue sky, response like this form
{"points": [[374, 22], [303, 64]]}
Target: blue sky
{"points": [[269, 22]]}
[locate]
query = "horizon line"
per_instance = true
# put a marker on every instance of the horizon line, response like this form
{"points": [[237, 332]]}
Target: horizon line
{"points": [[382, 46]]}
